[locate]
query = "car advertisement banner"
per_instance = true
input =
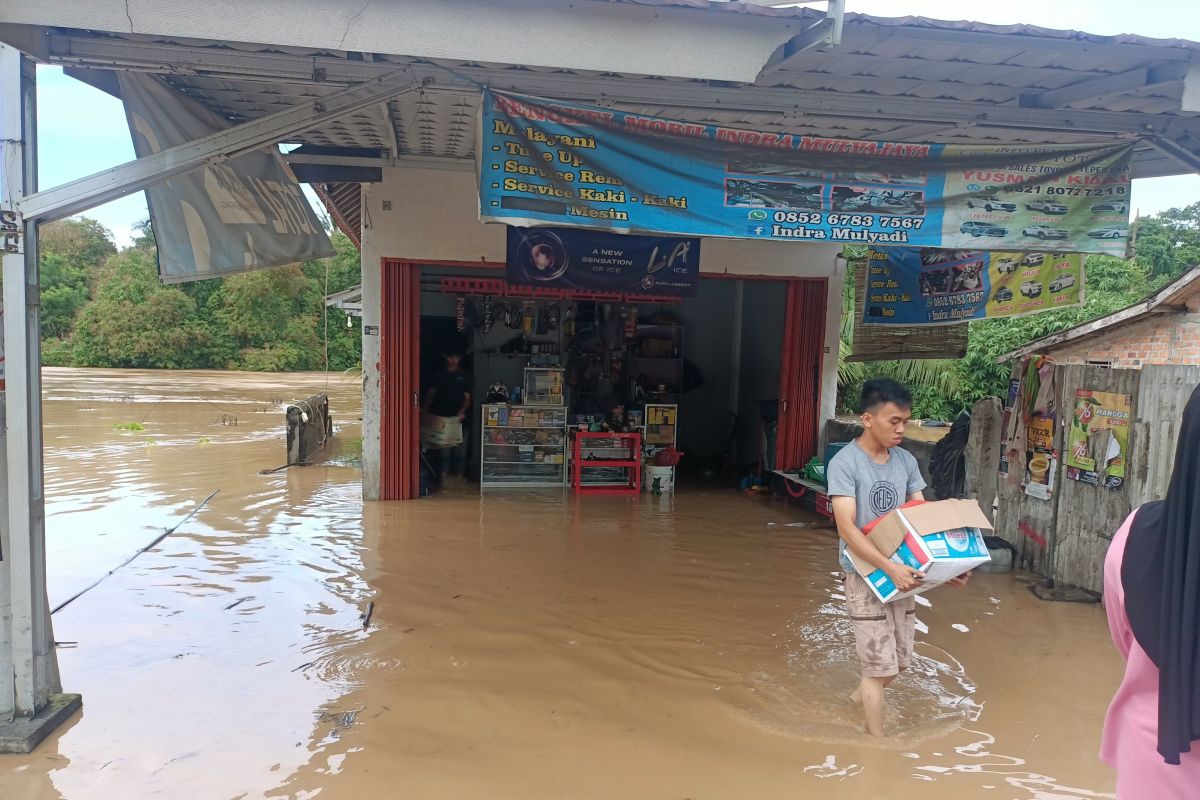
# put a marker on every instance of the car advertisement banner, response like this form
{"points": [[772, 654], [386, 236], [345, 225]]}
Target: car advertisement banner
{"points": [[565, 258], [911, 286], [1098, 441], [547, 162]]}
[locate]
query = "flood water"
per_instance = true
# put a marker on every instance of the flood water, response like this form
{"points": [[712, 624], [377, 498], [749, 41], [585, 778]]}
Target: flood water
{"points": [[518, 646]]}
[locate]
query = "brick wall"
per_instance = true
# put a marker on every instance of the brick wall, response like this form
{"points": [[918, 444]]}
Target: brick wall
{"points": [[1162, 339]]}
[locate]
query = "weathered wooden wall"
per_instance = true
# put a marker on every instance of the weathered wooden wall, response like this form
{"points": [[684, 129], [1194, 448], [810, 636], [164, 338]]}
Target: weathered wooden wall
{"points": [[1066, 537], [1088, 516], [1163, 393], [983, 453]]}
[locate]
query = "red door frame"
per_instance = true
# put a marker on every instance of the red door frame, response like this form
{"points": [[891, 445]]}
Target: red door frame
{"points": [[400, 374], [399, 401], [801, 373]]}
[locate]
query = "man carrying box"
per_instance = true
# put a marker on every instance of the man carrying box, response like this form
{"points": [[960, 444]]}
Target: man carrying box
{"points": [[868, 479]]}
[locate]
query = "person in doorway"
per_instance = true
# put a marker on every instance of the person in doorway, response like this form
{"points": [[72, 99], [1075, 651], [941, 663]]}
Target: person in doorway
{"points": [[1152, 598], [450, 398], [867, 479]]}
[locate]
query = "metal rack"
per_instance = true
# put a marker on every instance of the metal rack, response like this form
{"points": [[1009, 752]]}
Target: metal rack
{"points": [[615, 452]]}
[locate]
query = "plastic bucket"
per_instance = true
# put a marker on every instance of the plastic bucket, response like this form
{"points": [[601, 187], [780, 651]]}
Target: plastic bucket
{"points": [[665, 475]]}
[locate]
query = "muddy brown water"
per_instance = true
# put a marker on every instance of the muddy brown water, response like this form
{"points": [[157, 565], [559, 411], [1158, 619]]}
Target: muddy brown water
{"points": [[521, 645]]}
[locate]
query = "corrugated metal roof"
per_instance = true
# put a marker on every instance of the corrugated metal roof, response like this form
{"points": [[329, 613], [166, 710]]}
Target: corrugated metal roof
{"points": [[920, 22], [927, 66]]}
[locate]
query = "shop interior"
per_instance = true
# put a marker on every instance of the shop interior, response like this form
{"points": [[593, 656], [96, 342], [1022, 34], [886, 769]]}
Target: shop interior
{"points": [[700, 374]]}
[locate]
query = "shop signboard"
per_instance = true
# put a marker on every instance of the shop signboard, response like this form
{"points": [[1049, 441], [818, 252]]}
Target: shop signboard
{"points": [[1098, 440], [602, 261], [545, 162], [928, 286]]}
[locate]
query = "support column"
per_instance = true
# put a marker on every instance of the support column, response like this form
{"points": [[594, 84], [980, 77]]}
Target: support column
{"points": [[29, 680], [833, 334], [372, 316]]}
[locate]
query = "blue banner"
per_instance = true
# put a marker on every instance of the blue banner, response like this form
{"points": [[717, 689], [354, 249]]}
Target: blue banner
{"points": [[910, 286], [546, 162], [602, 261]]}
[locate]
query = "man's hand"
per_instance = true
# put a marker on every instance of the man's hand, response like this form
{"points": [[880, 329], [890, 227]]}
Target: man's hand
{"points": [[462, 416], [905, 577], [961, 580]]}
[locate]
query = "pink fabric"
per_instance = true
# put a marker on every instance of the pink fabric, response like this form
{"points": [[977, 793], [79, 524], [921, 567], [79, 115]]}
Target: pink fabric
{"points": [[1131, 727]]}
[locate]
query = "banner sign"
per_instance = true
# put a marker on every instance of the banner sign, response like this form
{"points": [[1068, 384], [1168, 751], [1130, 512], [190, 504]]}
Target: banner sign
{"points": [[547, 162], [242, 214], [1098, 441], [909, 286], [564, 258]]}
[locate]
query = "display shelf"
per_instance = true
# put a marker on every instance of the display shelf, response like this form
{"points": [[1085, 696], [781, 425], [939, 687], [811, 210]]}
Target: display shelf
{"points": [[630, 467], [500, 468]]}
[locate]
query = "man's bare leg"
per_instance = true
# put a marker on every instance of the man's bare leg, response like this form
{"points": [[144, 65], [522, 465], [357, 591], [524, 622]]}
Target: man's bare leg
{"points": [[870, 694]]}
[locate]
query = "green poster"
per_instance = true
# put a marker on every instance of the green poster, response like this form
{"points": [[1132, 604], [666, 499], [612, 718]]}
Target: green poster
{"points": [[1098, 441]]}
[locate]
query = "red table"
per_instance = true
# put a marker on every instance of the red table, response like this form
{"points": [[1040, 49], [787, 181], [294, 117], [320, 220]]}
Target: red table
{"points": [[632, 464]]}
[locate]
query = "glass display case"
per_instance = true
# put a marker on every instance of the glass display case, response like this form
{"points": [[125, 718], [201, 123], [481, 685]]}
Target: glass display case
{"points": [[543, 387], [523, 446]]}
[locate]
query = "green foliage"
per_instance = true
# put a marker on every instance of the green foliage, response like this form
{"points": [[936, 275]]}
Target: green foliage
{"points": [[70, 249], [129, 426], [134, 321], [101, 308]]}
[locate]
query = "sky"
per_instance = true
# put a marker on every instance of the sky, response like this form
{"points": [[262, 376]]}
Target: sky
{"points": [[81, 130]]}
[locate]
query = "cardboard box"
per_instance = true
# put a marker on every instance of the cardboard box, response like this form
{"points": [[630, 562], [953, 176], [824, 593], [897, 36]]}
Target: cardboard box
{"points": [[942, 539]]}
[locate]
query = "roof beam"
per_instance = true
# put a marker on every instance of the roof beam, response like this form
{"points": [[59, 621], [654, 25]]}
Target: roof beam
{"points": [[845, 61], [80, 195], [1097, 89], [1178, 152], [803, 104], [1191, 88], [917, 131], [1060, 45], [278, 67]]}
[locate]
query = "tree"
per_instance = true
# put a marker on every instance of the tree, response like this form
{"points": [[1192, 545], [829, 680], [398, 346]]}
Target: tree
{"points": [[134, 321], [1169, 242], [71, 251], [82, 239]]}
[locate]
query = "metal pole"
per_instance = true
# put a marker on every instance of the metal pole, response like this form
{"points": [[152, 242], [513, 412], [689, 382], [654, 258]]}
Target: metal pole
{"points": [[35, 667]]}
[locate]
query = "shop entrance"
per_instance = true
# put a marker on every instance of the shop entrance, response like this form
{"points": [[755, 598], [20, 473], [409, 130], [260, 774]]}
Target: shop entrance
{"points": [[732, 373]]}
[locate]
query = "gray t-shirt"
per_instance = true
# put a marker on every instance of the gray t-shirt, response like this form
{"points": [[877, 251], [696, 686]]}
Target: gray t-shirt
{"points": [[877, 489]]}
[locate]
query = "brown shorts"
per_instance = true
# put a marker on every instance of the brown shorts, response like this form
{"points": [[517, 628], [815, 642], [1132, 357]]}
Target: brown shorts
{"points": [[883, 632]]}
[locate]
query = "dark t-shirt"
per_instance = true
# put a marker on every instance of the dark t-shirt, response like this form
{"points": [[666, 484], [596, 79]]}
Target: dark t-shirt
{"points": [[450, 389]]}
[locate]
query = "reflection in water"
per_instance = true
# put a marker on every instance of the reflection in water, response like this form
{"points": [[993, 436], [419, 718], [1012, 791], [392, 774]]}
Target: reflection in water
{"points": [[517, 646]]}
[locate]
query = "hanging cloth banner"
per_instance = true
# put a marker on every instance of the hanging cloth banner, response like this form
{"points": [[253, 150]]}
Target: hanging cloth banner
{"points": [[899, 342], [564, 258], [547, 162], [910, 286], [242, 214]]}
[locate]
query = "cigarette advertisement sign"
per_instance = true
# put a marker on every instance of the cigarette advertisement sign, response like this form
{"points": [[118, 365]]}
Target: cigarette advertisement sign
{"points": [[909, 286], [545, 162], [1098, 441], [566, 258]]}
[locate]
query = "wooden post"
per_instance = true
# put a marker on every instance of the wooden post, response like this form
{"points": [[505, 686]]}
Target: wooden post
{"points": [[983, 454]]}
